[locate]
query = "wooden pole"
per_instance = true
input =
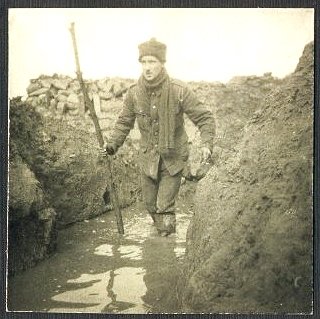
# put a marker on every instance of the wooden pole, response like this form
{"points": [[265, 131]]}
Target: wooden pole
{"points": [[89, 104]]}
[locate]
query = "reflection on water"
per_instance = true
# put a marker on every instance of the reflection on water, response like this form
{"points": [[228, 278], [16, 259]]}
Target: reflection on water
{"points": [[135, 273], [179, 251], [113, 291], [130, 251], [162, 272], [126, 292], [141, 228]]}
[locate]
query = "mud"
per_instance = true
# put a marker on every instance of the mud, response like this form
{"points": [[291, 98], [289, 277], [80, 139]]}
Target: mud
{"points": [[96, 270]]}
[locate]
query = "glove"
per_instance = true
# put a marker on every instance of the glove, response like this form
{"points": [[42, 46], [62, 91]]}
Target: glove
{"points": [[186, 173], [202, 171], [205, 155], [108, 149]]}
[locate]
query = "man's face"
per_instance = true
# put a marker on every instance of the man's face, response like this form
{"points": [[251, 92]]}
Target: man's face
{"points": [[151, 67]]}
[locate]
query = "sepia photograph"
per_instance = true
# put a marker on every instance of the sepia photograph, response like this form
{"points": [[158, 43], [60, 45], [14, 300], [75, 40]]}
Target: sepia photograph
{"points": [[160, 160]]}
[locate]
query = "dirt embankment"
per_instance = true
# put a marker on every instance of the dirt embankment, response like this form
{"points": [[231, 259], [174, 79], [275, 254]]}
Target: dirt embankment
{"points": [[57, 177], [249, 245], [53, 136], [32, 219]]}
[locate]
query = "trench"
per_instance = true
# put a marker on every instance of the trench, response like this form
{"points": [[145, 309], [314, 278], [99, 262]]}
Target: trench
{"points": [[96, 270]]}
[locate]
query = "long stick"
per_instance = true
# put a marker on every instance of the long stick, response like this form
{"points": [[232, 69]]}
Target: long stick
{"points": [[88, 103]]}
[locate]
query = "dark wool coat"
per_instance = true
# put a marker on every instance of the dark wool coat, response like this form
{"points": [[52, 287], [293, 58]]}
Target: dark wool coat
{"points": [[148, 122]]}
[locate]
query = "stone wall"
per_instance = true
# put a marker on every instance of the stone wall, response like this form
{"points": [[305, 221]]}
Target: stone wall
{"points": [[62, 94]]}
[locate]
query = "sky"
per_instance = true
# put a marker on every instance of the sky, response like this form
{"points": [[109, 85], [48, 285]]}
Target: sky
{"points": [[202, 44]]}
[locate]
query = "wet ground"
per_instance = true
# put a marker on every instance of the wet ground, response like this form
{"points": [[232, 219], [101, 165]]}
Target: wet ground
{"points": [[97, 270]]}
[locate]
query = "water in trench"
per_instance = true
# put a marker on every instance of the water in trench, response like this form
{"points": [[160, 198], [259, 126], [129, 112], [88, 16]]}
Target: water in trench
{"points": [[97, 270]]}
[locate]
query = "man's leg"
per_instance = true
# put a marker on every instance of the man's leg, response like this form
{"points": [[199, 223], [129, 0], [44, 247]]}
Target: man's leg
{"points": [[149, 189], [168, 190]]}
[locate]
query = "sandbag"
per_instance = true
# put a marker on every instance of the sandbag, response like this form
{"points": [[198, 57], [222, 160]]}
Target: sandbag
{"points": [[61, 84], [61, 107], [62, 98], [45, 82], [39, 92], [33, 86], [73, 98], [102, 84]]}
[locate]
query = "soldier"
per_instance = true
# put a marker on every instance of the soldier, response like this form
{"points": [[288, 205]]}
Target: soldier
{"points": [[158, 103]]}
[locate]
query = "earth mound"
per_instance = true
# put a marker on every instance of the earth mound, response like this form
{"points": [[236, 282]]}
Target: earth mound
{"points": [[64, 155], [57, 177], [249, 245], [31, 218]]}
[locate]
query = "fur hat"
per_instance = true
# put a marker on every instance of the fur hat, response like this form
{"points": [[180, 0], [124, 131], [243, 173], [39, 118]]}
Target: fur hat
{"points": [[154, 48]]}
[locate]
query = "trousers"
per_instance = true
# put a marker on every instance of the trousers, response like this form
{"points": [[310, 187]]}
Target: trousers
{"points": [[159, 196]]}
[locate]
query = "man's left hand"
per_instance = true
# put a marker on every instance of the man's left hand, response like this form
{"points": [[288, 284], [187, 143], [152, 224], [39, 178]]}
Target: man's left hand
{"points": [[205, 154]]}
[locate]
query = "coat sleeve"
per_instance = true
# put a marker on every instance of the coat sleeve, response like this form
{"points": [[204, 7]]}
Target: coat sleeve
{"points": [[201, 116], [124, 123]]}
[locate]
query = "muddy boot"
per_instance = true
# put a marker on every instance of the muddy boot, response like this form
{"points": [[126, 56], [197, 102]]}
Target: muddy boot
{"points": [[158, 221], [165, 223], [169, 223], [153, 217]]}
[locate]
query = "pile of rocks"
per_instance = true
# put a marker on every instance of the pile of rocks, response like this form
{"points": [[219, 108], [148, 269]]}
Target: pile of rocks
{"points": [[63, 93]]}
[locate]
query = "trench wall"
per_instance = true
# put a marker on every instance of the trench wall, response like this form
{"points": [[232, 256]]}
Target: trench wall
{"points": [[52, 138], [249, 245]]}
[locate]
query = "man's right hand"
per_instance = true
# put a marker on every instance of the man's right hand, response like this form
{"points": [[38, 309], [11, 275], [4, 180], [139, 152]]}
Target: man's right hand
{"points": [[108, 149]]}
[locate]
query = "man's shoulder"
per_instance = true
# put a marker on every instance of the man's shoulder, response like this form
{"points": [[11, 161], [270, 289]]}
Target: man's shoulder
{"points": [[132, 85], [178, 83], [180, 88]]}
